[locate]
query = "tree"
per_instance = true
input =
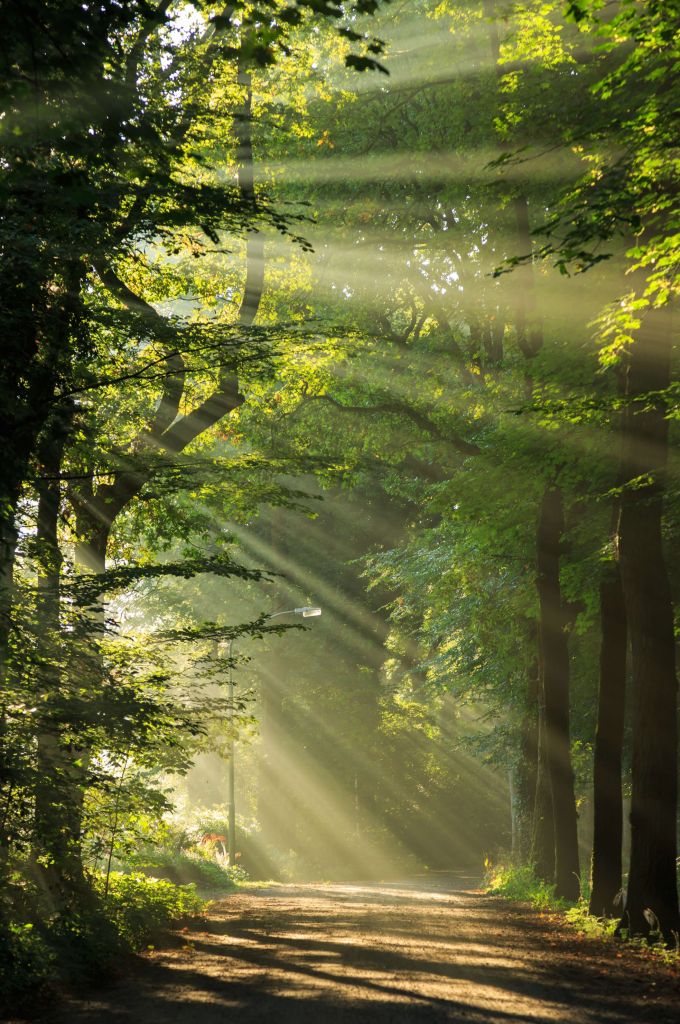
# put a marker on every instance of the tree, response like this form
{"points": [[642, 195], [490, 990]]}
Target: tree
{"points": [[107, 157], [630, 199]]}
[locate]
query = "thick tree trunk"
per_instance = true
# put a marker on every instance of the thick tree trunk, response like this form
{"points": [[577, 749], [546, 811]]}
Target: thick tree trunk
{"points": [[605, 898], [555, 665], [61, 771], [652, 900], [62, 765]]}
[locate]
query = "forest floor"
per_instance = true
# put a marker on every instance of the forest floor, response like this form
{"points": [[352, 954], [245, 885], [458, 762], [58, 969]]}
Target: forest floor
{"points": [[427, 951]]}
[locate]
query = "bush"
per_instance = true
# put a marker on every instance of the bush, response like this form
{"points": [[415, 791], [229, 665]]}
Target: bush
{"points": [[520, 883], [579, 918], [142, 908], [27, 961], [81, 944], [183, 868]]}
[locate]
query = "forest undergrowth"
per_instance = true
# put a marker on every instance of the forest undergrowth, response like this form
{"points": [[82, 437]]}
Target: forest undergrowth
{"points": [[520, 884], [126, 913], [130, 905]]}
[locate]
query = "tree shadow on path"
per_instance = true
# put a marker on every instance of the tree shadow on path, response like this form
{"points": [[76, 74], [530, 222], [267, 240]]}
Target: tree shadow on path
{"points": [[330, 954]]}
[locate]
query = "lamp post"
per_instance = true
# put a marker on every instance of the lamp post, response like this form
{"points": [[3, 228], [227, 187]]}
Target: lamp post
{"points": [[307, 612], [232, 746]]}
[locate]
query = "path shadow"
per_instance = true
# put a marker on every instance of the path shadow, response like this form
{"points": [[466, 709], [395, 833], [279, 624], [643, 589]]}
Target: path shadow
{"points": [[270, 963]]}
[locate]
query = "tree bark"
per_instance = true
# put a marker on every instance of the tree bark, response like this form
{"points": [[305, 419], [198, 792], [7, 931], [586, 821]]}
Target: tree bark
{"points": [[543, 830], [526, 770], [555, 665], [61, 773], [8, 542], [607, 867], [652, 899]]}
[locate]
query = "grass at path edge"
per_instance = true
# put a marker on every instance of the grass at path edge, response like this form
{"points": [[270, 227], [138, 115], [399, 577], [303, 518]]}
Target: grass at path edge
{"points": [[519, 884]]}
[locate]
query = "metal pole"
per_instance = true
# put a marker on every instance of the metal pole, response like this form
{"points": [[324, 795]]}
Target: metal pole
{"points": [[232, 746]]}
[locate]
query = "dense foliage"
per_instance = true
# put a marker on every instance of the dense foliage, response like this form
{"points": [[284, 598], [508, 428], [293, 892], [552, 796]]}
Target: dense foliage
{"points": [[283, 329]]}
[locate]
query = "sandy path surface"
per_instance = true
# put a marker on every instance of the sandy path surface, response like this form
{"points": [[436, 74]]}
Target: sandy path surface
{"points": [[417, 952]]}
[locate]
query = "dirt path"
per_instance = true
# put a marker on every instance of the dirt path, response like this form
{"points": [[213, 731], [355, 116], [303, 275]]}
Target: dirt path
{"points": [[380, 953]]}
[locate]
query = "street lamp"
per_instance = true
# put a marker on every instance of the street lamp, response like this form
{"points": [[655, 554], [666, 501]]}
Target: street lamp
{"points": [[307, 612]]}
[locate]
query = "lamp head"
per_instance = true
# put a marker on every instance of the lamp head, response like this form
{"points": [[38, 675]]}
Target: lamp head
{"points": [[307, 611]]}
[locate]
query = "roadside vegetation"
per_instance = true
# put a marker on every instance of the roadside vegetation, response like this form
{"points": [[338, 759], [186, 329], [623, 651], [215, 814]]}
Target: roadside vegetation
{"points": [[520, 884], [134, 902]]}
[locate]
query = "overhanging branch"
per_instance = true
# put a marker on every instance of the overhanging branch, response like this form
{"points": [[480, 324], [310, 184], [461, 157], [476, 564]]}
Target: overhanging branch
{"points": [[395, 408]]}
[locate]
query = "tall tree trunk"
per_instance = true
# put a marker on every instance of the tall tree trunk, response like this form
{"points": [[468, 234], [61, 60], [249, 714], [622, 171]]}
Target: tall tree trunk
{"points": [[543, 830], [652, 881], [61, 771], [8, 542], [555, 665], [36, 356], [529, 336], [607, 791], [526, 769]]}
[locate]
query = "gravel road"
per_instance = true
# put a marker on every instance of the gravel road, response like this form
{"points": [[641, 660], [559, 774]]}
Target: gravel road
{"points": [[406, 953]]}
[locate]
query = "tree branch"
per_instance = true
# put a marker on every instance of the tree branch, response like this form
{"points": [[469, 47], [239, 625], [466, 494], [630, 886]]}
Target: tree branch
{"points": [[402, 409], [438, 312], [227, 397], [173, 389], [168, 432], [136, 53]]}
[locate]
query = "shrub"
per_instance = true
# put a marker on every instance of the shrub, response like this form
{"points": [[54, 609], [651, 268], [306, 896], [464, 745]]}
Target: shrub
{"points": [[27, 961], [520, 883], [142, 908], [183, 868]]}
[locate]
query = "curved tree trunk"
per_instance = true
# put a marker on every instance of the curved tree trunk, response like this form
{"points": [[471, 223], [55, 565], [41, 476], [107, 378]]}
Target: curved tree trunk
{"points": [[169, 432]]}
